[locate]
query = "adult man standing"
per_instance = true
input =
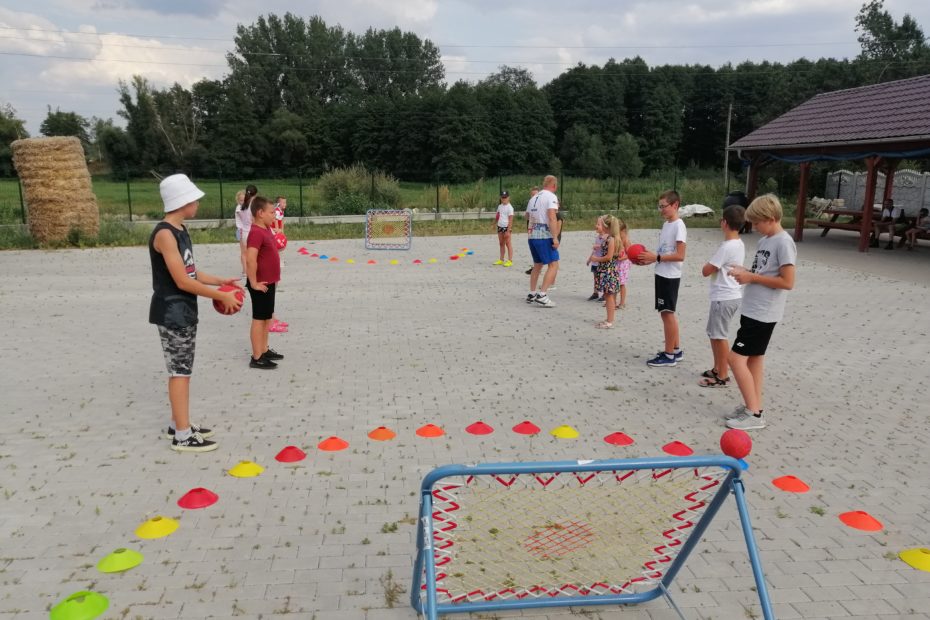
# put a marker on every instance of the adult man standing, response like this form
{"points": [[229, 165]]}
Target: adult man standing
{"points": [[543, 227]]}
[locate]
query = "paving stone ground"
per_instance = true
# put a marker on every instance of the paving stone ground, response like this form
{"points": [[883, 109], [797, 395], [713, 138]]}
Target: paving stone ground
{"points": [[332, 537]]}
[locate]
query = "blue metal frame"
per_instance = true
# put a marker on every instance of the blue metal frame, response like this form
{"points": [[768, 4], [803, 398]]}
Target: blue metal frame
{"points": [[409, 244], [425, 559]]}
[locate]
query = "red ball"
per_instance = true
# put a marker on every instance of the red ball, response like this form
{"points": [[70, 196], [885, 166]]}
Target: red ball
{"points": [[280, 240], [226, 288], [736, 443], [635, 250]]}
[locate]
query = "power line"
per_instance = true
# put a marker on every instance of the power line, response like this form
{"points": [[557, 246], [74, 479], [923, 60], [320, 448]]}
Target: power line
{"points": [[752, 44]]}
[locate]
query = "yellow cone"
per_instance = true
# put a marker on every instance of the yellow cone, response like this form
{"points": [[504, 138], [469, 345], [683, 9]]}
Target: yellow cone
{"points": [[157, 527], [918, 558], [564, 432], [432, 260], [246, 469], [351, 261], [119, 560], [394, 261]]}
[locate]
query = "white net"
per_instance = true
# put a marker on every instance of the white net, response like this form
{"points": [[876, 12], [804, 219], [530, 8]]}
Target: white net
{"points": [[501, 537], [388, 230]]}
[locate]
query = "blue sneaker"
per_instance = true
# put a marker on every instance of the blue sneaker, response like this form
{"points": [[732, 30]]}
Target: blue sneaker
{"points": [[679, 354], [662, 360]]}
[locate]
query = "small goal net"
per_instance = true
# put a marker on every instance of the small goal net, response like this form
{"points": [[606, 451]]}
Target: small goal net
{"points": [[388, 230], [498, 537]]}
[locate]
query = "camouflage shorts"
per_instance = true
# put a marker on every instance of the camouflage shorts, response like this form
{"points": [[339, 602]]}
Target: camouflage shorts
{"points": [[178, 346]]}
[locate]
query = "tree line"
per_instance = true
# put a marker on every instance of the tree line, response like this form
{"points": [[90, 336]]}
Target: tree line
{"points": [[302, 94]]}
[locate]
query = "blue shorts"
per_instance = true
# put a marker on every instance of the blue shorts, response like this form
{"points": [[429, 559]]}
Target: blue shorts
{"points": [[543, 252]]}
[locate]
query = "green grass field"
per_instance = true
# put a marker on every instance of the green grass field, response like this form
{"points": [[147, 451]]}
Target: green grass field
{"points": [[117, 198]]}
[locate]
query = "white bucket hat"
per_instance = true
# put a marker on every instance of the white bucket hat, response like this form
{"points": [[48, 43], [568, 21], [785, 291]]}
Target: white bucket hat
{"points": [[178, 191]]}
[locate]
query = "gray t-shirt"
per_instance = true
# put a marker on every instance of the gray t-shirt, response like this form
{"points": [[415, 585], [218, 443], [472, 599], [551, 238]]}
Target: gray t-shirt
{"points": [[759, 301]]}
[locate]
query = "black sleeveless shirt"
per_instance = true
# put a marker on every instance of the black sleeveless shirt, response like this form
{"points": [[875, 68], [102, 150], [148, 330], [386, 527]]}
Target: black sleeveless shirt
{"points": [[171, 307]]}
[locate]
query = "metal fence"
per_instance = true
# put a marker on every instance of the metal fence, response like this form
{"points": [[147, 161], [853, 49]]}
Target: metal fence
{"points": [[137, 199]]}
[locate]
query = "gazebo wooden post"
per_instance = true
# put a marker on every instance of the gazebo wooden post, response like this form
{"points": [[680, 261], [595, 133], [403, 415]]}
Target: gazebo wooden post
{"points": [[799, 212], [870, 181], [890, 168]]}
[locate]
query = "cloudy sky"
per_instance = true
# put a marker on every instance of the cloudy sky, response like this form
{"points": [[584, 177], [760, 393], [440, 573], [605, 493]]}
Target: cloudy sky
{"points": [[70, 54]]}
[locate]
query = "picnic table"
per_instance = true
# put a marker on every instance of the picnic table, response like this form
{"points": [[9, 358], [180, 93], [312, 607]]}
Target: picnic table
{"points": [[854, 223]]}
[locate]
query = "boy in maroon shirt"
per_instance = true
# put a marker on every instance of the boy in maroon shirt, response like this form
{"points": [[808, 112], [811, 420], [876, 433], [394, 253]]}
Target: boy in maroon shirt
{"points": [[263, 268]]}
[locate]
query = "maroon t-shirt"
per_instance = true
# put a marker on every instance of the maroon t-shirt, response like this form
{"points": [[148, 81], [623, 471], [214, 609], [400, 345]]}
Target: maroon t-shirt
{"points": [[269, 263]]}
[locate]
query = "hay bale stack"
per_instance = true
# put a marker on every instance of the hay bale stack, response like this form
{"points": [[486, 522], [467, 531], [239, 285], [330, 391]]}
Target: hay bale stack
{"points": [[57, 188]]}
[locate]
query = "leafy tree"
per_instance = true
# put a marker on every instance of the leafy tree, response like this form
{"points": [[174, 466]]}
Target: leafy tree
{"points": [[116, 146], [11, 129], [662, 125], [60, 123], [393, 63], [894, 50], [513, 78], [583, 153], [624, 158], [461, 136]]}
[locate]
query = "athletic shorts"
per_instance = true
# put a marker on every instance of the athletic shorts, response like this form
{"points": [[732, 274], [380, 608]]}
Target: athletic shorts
{"points": [[719, 318], [178, 347], [262, 303], [753, 337], [543, 252], [502, 229], [667, 293]]}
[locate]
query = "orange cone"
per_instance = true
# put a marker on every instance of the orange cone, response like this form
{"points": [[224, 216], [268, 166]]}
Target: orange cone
{"points": [[382, 433], [527, 428], [333, 444], [372, 262], [791, 484], [861, 520], [619, 439], [430, 430]]}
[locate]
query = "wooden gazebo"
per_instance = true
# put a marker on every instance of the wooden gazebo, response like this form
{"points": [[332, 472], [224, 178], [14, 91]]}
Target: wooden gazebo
{"points": [[881, 124]]}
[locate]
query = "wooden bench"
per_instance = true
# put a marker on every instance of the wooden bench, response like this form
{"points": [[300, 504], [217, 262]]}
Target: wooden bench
{"points": [[855, 223]]}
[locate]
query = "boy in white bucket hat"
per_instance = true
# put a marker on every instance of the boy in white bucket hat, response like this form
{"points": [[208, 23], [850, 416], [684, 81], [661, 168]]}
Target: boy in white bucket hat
{"points": [[176, 283]]}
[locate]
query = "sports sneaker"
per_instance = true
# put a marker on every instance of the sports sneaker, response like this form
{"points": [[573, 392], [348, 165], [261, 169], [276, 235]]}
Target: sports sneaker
{"points": [[662, 360], [679, 355], [593, 297], [498, 262], [262, 363], [531, 297], [272, 355], [194, 443], [203, 432], [737, 412], [544, 301], [508, 263], [746, 421], [528, 271]]}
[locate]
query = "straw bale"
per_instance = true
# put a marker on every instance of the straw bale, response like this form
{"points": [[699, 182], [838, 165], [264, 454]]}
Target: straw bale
{"points": [[56, 187]]}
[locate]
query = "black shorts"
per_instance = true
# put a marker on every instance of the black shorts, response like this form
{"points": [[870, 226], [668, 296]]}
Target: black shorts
{"points": [[262, 303], [502, 229], [667, 293], [753, 337]]}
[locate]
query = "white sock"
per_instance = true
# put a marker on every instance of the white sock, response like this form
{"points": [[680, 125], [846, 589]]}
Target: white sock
{"points": [[183, 435]]}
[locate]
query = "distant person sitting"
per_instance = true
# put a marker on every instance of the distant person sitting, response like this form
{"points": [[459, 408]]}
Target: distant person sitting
{"points": [[893, 221], [921, 227]]}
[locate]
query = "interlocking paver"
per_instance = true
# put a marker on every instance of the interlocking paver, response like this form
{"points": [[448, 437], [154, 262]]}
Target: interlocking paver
{"points": [[449, 344]]}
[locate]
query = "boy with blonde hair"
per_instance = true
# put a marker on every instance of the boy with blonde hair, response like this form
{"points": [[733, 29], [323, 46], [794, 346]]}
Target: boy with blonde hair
{"points": [[766, 286]]}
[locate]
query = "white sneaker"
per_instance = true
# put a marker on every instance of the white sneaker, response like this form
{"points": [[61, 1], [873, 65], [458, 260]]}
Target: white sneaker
{"points": [[544, 301], [746, 421]]}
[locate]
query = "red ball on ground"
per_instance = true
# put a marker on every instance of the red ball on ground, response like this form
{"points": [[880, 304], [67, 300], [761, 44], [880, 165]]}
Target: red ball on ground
{"points": [[635, 250], [280, 240], [226, 288], [736, 443]]}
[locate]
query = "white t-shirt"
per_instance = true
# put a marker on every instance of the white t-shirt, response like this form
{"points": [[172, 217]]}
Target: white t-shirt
{"points": [[504, 212], [669, 236], [759, 301], [893, 213], [539, 206], [723, 286], [244, 220]]}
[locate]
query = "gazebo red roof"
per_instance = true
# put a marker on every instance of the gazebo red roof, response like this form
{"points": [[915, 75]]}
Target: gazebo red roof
{"points": [[880, 114]]}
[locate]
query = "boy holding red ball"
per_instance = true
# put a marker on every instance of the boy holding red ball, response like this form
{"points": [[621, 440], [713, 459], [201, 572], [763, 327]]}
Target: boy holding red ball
{"points": [[176, 283]]}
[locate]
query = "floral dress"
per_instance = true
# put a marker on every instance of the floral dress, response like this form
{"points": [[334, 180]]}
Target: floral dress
{"points": [[608, 275]]}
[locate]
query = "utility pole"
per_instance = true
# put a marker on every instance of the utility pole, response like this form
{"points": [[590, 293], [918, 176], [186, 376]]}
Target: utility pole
{"points": [[726, 152]]}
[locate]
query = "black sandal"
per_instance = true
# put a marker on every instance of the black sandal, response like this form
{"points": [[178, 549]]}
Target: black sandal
{"points": [[710, 374], [714, 382]]}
